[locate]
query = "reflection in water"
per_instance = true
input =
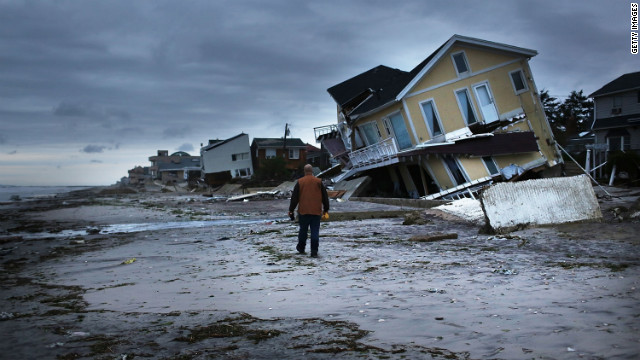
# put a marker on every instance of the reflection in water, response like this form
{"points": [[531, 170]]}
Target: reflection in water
{"points": [[153, 226]]}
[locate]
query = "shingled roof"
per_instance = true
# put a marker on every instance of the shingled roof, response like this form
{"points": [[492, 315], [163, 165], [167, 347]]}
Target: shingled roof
{"points": [[625, 82], [278, 143]]}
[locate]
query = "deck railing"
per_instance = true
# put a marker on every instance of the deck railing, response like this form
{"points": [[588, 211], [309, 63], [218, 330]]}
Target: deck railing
{"points": [[376, 153], [323, 130]]}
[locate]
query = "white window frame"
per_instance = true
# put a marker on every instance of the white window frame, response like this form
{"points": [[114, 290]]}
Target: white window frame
{"points": [[524, 81], [461, 107], [482, 158], [361, 128], [466, 62], [294, 154], [270, 153], [490, 92], [424, 117], [391, 131], [462, 170]]}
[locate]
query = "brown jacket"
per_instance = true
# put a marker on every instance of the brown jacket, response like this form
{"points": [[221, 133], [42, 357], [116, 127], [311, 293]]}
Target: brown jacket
{"points": [[310, 195]]}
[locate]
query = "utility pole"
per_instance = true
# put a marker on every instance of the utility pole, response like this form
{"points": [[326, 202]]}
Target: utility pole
{"points": [[284, 143]]}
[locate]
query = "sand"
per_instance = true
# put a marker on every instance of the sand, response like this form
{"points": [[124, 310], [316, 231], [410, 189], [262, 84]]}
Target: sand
{"points": [[166, 276]]}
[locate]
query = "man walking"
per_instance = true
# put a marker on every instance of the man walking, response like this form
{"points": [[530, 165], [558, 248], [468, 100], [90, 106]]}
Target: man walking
{"points": [[310, 195]]}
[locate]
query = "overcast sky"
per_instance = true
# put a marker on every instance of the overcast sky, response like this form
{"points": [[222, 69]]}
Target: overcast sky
{"points": [[90, 89]]}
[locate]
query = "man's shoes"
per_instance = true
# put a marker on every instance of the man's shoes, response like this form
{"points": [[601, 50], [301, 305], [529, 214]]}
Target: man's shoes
{"points": [[300, 251], [314, 255]]}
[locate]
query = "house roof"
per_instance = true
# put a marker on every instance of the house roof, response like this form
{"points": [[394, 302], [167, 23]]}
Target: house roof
{"points": [[278, 142], [625, 82], [221, 142], [386, 85], [186, 163], [616, 122]]}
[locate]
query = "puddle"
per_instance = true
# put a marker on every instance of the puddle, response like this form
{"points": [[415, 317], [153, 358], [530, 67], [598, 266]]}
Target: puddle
{"points": [[153, 226]]}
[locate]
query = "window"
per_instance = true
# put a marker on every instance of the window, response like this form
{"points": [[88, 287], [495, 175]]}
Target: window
{"points": [[370, 132], [270, 153], [397, 125], [492, 168], [460, 62], [456, 173], [294, 153], [464, 102], [243, 172], [616, 109], [518, 81], [241, 156], [431, 118]]}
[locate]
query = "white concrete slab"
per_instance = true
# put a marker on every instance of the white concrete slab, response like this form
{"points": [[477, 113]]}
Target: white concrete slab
{"points": [[509, 206]]}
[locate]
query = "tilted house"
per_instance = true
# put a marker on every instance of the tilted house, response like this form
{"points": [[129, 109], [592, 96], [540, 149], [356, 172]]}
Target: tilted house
{"points": [[450, 125], [293, 150], [175, 168], [616, 122], [223, 160]]}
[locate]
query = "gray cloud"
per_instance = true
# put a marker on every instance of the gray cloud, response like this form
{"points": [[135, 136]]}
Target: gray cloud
{"points": [[93, 149], [186, 147], [176, 132], [96, 161], [12, 152]]}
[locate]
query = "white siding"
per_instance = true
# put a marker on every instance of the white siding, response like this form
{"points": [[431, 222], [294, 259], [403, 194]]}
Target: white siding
{"points": [[629, 101], [220, 157]]}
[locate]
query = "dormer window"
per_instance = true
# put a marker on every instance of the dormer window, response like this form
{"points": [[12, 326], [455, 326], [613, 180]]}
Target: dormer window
{"points": [[460, 62]]}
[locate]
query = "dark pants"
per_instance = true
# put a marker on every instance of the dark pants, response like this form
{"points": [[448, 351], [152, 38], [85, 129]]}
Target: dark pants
{"points": [[306, 222]]}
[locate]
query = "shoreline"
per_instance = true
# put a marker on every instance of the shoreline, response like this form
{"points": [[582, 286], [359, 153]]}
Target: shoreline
{"points": [[240, 290]]}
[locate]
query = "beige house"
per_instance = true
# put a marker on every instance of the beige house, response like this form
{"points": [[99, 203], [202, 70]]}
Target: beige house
{"points": [[467, 115]]}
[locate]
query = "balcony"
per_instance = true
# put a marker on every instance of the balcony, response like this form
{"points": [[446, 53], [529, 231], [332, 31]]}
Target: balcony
{"points": [[382, 153], [324, 132]]}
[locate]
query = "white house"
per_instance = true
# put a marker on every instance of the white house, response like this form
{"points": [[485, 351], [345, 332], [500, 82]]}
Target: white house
{"points": [[223, 160]]}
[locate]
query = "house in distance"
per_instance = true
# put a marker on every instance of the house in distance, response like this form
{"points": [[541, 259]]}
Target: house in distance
{"points": [[223, 160]]}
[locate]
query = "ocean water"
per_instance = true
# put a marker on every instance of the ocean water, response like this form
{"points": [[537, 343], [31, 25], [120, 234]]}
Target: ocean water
{"points": [[34, 192]]}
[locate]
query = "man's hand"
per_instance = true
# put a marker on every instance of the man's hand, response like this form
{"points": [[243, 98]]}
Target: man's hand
{"points": [[291, 216]]}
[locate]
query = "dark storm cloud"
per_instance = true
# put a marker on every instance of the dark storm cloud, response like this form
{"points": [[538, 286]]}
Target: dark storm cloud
{"points": [[93, 149], [157, 74], [178, 132]]}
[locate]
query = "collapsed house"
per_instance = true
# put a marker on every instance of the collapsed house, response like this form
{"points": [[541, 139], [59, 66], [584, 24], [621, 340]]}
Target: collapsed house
{"points": [[223, 160], [468, 115]]}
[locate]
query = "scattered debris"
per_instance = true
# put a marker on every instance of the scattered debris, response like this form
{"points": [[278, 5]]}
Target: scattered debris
{"points": [[93, 231], [502, 271], [434, 237], [436, 291], [127, 262], [415, 218], [6, 316]]}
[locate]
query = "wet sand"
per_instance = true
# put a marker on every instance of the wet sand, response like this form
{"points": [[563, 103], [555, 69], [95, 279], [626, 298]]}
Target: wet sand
{"points": [[83, 278]]}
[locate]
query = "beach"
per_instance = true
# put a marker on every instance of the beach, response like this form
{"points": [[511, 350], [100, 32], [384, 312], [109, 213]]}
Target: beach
{"points": [[125, 274]]}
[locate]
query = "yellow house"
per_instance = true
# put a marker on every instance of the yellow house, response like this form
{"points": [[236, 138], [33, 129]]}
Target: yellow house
{"points": [[468, 115]]}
